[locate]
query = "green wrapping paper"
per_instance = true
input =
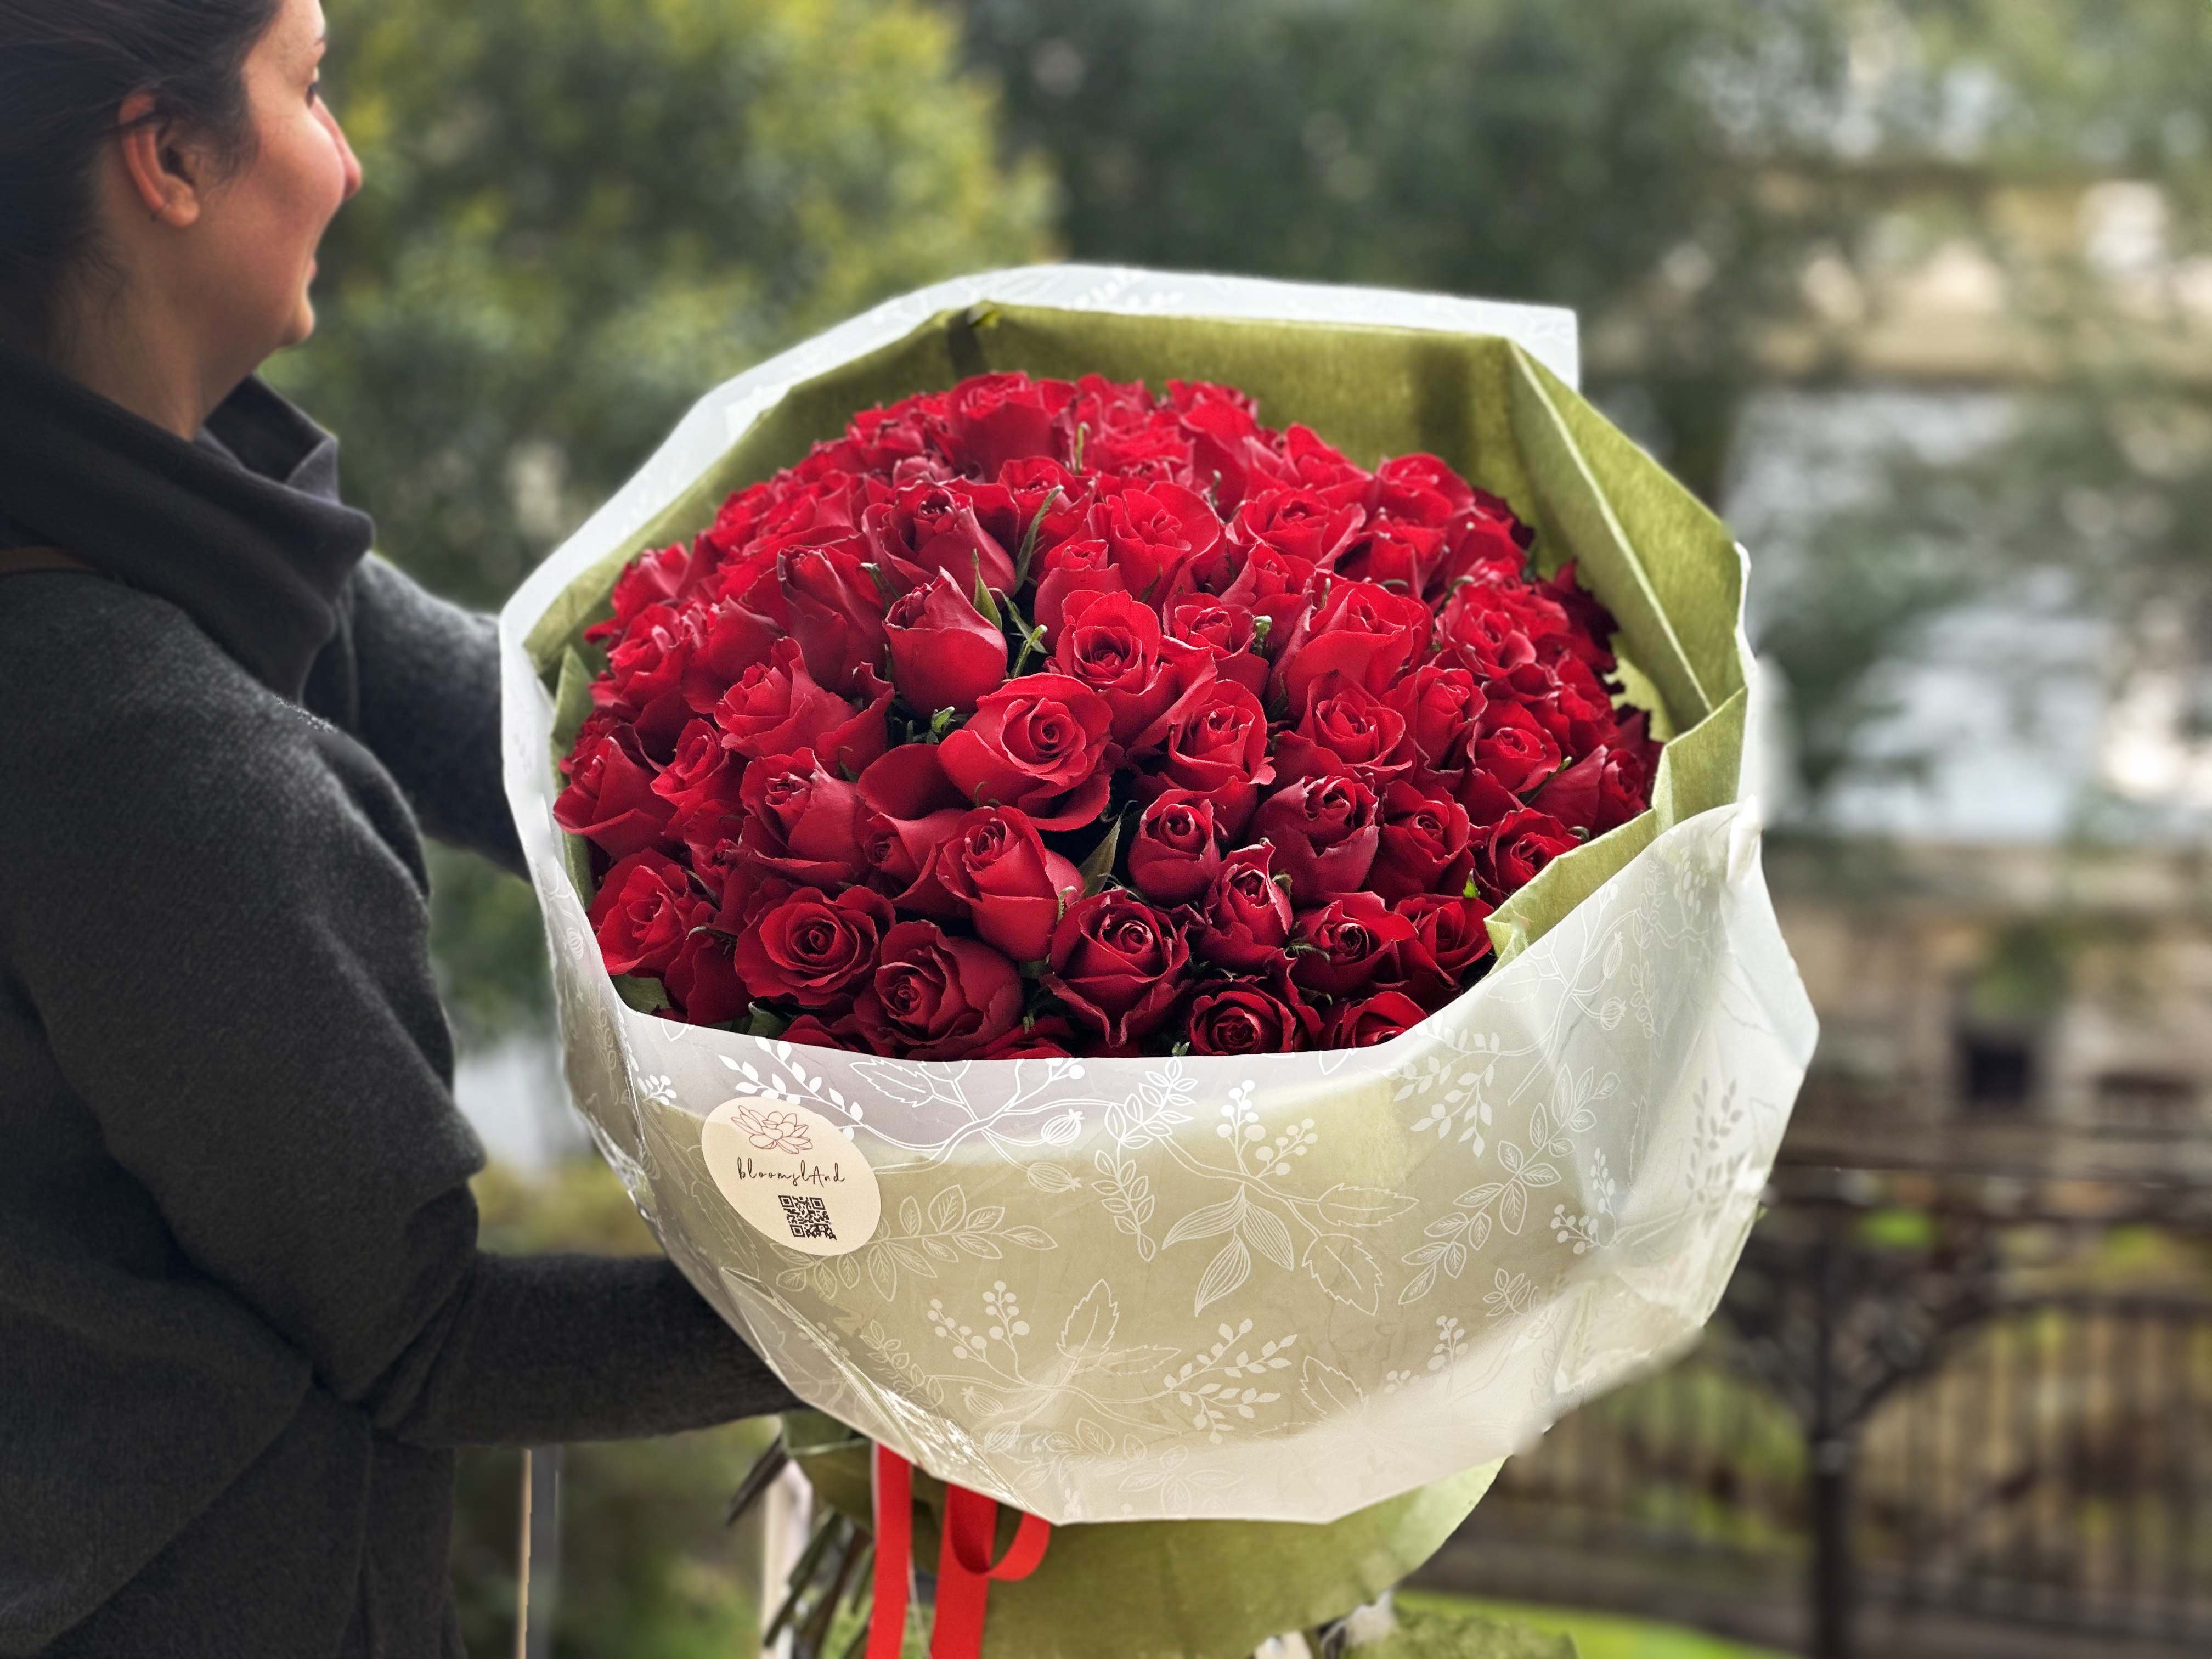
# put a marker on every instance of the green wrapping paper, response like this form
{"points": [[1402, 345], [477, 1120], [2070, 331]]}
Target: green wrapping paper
{"points": [[1214, 1587]]}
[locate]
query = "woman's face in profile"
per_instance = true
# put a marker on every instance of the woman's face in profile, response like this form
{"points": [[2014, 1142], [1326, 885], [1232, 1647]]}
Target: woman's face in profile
{"points": [[262, 226]]}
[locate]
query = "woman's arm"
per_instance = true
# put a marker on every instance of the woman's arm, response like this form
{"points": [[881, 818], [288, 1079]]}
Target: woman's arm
{"points": [[425, 698], [217, 907]]}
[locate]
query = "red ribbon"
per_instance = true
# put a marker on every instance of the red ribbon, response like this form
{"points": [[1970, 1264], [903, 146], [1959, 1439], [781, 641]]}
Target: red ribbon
{"points": [[964, 1567]]}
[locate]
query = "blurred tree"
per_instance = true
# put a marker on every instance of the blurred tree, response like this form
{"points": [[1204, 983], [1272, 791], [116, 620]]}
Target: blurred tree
{"points": [[577, 218]]}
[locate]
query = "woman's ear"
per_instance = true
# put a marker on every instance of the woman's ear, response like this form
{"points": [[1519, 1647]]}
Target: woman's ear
{"points": [[164, 169]]}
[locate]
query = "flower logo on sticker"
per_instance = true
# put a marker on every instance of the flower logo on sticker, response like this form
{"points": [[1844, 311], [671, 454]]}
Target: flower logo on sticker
{"points": [[774, 1132]]}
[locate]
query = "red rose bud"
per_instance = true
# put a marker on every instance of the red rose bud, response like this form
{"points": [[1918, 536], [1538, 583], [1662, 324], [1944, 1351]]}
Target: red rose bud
{"points": [[652, 578], [1376, 1019], [776, 707], [1226, 445], [1272, 585], [1424, 845], [1349, 944], [1118, 964], [992, 419], [1247, 914], [1113, 644], [732, 638], [1567, 698], [1599, 792], [1518, 846], [1175, 856], [1492, 626], [1365, 633], [1042, 744], [702, 980], [836, 611], [610, 800], [1513, 749], [803, 822], [1224, 629], [1325, 830], [1487, 800], [1442, 709], [944, 654], [1345, 728], [935, 996], [644, 909], [1012, 886], [1246, 1018], [1218, 747], [1396, 556], [1083, 565], [812, 949], [1483, 540], [1450, 931]]}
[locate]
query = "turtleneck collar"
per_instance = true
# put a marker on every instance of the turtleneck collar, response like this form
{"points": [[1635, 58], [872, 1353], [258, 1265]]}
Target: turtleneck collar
{"points": [[241, 528]]}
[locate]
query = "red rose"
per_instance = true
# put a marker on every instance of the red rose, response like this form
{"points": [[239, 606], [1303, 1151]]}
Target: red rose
{"points": [[1175, 855], [1484, 540], [910, 807], [812, 949], [1396, 556], [1013, 886], [992, 419], [1352, 943], [1041, 743], [1449, 928], [1565, 697], [1224, 629], [944, 654], [1487, 800], [802, 821], [1443, 710], [1226, 444], [644, 682], [1247, 914], [1245, 1018], [1081, 565], [702, 980], [1375, 1019], [1302, 523], [1599, 792], [1046, 1040], [1325, 830], [1424, 845], [1420, 490], [1275, 588], [644, 909], [935, 996], [932, 526], [1519, 845], [1118, 964], [1153, 532], [1344, 728], [610, 800], [1492, 626], [1362, 632], [1217, 747], [776, 707], [731, 640], [1513, 749], [836, 611], [1113, 644], [652, 578]]}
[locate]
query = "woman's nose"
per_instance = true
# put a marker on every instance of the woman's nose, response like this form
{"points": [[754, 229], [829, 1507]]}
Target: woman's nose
{"points": [[345, 153]]}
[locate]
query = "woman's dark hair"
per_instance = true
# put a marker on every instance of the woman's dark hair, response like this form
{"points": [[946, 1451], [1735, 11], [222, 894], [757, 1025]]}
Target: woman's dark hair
{"points": [[65, 68]]}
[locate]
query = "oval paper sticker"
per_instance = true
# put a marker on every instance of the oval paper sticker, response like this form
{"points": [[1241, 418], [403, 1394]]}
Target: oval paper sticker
{"points": [[791, 1174]]}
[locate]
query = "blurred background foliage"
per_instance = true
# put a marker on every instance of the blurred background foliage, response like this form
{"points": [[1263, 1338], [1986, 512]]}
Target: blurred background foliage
{"points": [[579, 214]]}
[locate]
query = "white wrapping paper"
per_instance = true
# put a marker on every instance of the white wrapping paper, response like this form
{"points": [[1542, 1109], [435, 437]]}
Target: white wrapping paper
{"points": [[1278, 1289]]}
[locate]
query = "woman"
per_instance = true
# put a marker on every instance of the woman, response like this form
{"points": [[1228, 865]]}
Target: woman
{"points": [[243, 1320]]}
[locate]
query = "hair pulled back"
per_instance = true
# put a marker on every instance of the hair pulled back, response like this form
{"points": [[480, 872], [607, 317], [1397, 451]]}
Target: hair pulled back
{"points": [[66, 67]]}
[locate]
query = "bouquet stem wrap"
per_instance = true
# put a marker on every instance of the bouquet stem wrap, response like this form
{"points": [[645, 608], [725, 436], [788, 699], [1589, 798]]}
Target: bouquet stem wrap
{"points": [[1324, 1287]]}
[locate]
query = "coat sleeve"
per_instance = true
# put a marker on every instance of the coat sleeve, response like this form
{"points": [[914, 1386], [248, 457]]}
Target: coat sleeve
{"points": [[217, 905], [427, 685]]}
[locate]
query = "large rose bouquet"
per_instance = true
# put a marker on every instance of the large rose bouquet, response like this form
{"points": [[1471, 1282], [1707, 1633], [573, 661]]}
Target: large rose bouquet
{"points": [[1016, 863], [1040, 717]]}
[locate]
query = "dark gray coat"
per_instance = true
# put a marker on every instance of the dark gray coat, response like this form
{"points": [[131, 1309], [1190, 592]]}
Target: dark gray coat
{"points": [[243, 1318]]}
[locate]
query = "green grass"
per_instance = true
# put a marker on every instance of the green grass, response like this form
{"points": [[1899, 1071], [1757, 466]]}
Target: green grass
{"points": [[1597, 1635]]}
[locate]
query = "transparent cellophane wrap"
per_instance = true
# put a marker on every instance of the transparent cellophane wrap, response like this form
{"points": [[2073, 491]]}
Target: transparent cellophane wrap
{"points": [[1284, 1288]]}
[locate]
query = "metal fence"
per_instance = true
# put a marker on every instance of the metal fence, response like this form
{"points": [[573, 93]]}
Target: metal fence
{"points": [[2050, 1468]]}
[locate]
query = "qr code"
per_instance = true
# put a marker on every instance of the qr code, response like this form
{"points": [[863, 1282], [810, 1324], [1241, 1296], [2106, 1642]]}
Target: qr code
{"points": [[807, 1216]]}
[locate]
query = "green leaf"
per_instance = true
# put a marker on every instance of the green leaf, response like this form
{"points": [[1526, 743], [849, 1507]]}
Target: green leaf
{"points": [[766, 1023], [643, 992], [984, 603], [1029, 541], [1098, 868]]}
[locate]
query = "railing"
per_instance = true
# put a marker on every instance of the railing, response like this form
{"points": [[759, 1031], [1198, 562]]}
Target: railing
{"points": [[2051, 1469]]}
